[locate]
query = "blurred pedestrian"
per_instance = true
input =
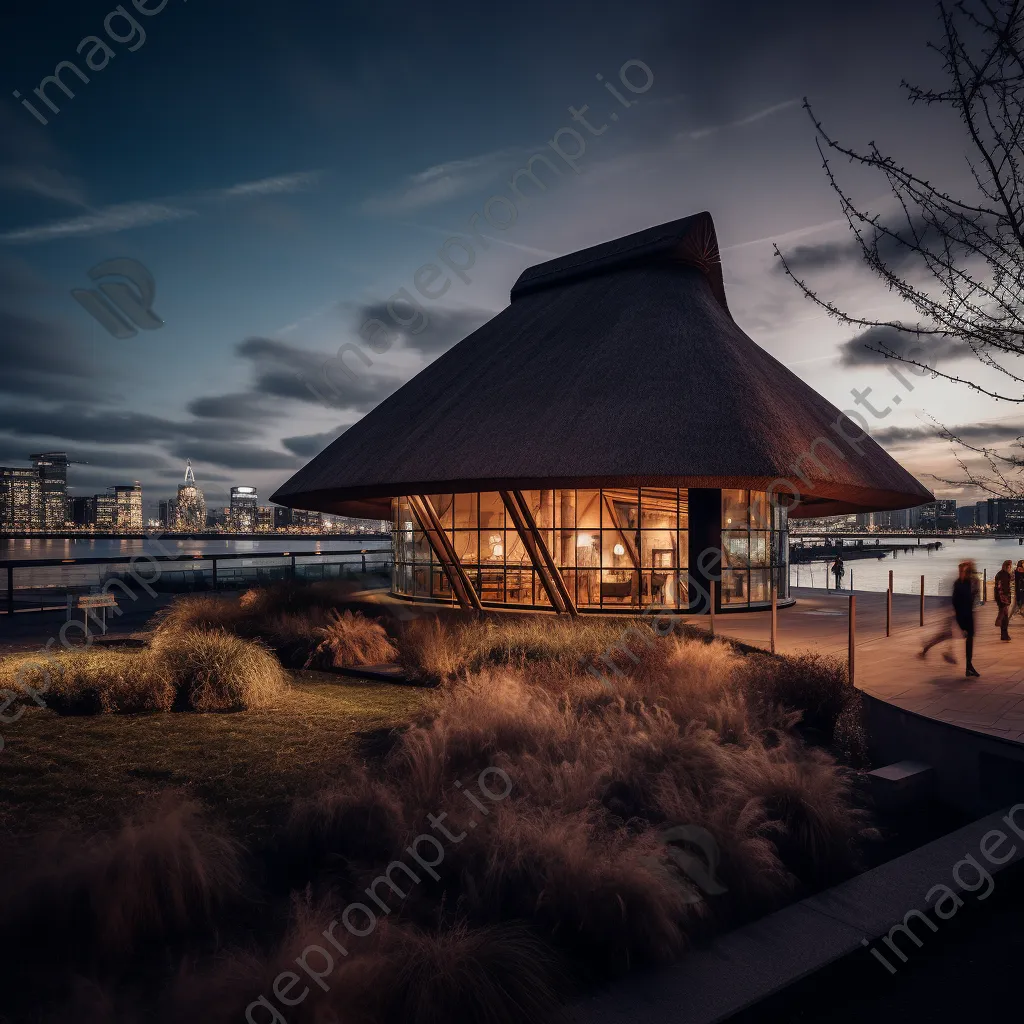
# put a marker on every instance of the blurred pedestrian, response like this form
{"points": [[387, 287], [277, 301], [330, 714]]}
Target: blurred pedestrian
{"points": [[965, 597], [1004, 599], [839, 571], [1018, 587]]}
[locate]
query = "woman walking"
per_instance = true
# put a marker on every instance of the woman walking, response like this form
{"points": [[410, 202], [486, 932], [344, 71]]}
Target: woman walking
{"points": [[965, 596]]}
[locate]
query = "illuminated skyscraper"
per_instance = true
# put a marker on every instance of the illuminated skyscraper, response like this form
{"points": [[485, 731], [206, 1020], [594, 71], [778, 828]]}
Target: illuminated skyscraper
{"points": [[128, 508], [190, 506], [106, 511], [52, 469], [244, 503], [20, 500]]}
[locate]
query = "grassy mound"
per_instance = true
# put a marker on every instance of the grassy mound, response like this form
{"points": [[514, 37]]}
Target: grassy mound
{"points": [[212, 670], [195, 670], [300, 622]]}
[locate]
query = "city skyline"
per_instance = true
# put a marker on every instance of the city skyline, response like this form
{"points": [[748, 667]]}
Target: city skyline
{"points": [[38, 499]]}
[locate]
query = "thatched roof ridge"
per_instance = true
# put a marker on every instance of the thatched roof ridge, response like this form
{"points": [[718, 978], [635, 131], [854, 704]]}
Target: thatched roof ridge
{"points": [[620, 364]]}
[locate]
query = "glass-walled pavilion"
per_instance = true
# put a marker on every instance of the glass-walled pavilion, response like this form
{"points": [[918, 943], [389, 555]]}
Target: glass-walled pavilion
{"points": [[594, 549]]}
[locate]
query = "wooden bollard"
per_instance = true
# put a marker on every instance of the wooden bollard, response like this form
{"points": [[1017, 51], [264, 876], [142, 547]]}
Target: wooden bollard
{"points": [[922, 600], [852, 641]]}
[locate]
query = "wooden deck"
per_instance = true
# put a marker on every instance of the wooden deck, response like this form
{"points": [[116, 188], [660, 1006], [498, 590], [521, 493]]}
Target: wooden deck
{"points": [[890, 668]]}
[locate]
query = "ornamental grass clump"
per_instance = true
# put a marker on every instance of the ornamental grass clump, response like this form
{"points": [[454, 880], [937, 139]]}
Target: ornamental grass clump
{"points": [[213, 670], [348, 640]]}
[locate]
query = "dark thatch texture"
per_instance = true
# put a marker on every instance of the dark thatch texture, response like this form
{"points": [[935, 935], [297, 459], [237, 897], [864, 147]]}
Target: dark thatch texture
{"points": [[619, 364]]}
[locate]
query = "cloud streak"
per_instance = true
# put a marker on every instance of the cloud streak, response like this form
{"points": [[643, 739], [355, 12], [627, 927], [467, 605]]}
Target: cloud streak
{"points": [[145, 213]]}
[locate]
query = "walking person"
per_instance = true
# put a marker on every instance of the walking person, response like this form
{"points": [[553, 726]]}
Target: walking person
{"points": [[1018, 587], [838, 570], [965, 597], [1004, 600]]}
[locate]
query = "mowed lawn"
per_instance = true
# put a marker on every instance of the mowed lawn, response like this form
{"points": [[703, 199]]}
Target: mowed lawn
{"points": [[91, 772]]}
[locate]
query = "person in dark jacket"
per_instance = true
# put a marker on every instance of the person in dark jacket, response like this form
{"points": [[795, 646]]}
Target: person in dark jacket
{"points": [[1004, 599], [839, 571], [965, 597], [1018, 587]]}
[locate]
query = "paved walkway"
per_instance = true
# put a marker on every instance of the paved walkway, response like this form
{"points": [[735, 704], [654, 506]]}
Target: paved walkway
{"points": [[889, 667]]}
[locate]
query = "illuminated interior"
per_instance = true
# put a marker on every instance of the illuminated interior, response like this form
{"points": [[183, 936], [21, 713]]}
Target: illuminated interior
{"points": [[614, 549]]}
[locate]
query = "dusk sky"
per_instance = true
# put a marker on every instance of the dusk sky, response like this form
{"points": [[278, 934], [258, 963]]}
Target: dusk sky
{"points": [[283, 170]]}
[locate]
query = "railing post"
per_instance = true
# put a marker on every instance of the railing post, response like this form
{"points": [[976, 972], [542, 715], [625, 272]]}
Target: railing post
{"points": [[922, 600], [775, 620], [214, 561], [984, 585], [851, 644], [293, 566], [711, 606], [888, 607], [10, 590]]}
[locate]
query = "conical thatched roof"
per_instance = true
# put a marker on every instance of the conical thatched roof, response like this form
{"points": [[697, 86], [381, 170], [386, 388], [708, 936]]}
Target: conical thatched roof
{"points": [[617, 364]]}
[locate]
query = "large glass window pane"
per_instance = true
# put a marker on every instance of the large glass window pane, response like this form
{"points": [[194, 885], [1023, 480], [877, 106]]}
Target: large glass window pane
{"points": [[620, 509], [617, 550], [734, 587], [564, 550], [421, 546], [542, 508], [760, 513], [515, 550], [588, 588], [759, 549], [404, 512], [759, 593], [735, 510], [442, 504], [421, 580], [492, 510], [658, 590], [518, 585], [684, 509], [658, 508], [619, 587], [404, 546], [735, 548], [492, 546], [441, 586], [658, 549], [588, 551], [465, 544], [492, 583], [466, 511], [588, 509]]}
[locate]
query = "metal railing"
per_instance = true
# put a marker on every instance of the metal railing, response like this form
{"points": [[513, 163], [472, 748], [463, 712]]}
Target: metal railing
{"points": [[47, 582]]}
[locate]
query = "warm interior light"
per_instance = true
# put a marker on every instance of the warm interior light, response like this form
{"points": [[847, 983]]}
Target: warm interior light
{"points": [[583, 540], [618, 550], [497, 551]]}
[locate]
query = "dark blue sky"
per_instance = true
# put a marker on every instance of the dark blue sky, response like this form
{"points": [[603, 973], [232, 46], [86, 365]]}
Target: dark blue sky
{"points": [[283, 169]]}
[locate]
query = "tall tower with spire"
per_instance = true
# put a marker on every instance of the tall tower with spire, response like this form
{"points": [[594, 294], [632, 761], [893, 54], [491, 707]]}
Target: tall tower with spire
{"points": [[190, 507]]}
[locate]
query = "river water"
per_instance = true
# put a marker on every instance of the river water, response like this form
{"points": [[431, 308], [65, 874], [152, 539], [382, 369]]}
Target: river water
{"points": [[50, 579], [938, 567], [111, 547]]}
